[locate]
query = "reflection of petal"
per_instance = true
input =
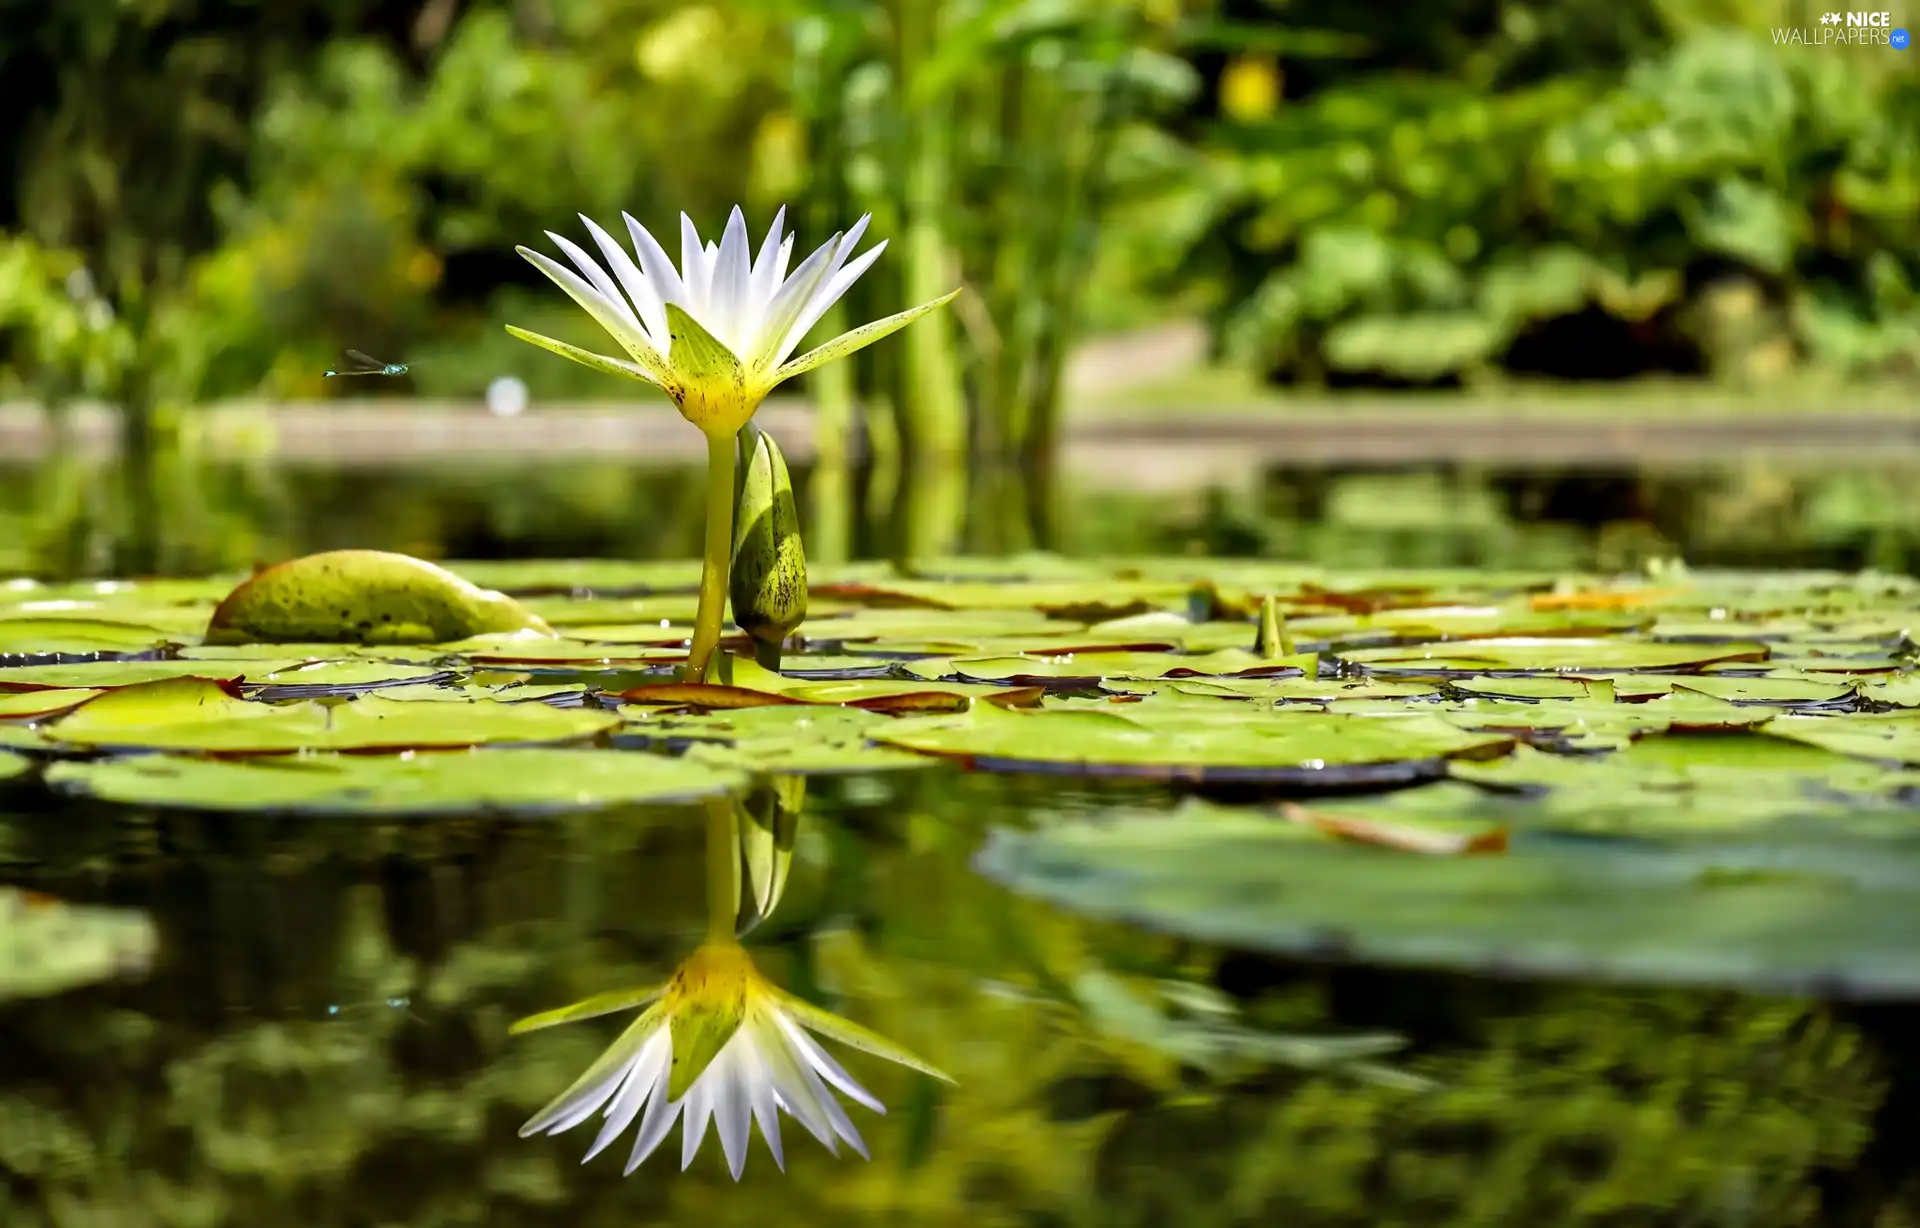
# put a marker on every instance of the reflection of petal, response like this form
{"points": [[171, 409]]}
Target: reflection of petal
{"points": [[767, 1065], [599, 1083], [644, 1083]]}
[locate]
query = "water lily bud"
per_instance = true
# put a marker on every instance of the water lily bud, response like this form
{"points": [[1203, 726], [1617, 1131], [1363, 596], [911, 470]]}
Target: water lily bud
{"points": [[769, 821], [768, 580], [1274, 639]]}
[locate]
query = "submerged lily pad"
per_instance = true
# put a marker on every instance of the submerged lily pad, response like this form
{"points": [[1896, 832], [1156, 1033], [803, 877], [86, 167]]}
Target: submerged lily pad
{"points": [[48, 946], [1559, 905], [441, 782]]}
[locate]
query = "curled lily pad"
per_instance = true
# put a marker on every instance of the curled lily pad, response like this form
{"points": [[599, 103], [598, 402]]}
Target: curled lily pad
{"points": [[362, 597], [196, 715], [426, 783], [48, 946]]}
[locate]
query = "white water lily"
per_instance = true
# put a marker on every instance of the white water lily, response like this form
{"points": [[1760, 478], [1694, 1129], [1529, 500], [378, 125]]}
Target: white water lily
{"points": [[718, 1044], [716, 333]]}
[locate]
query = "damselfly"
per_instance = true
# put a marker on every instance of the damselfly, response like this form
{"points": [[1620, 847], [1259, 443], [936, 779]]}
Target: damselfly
{"points": [[361, 364]]}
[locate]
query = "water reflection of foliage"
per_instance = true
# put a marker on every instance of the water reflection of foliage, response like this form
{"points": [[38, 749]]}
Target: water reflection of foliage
{"points": [[219, 1093]]}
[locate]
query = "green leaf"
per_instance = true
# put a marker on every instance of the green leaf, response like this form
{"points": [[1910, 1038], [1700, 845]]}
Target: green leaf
{"points": [[1178, 743], [195, 715], [426, 783]]}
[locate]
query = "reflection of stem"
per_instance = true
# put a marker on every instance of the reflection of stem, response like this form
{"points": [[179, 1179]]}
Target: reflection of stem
{"points": [[719, 553], [723, 869]]}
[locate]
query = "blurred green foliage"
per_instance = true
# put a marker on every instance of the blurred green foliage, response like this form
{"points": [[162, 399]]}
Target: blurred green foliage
{"points": [[1411, 195], [1565, 189]]}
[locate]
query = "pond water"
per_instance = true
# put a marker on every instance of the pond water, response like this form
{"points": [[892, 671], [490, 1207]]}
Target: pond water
{"points": [[320, 1032]]}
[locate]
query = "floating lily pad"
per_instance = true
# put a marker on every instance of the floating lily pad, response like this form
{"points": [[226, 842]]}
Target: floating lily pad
{"points": [[1175, 743], [12, 765], [26, 705], [52, 637], [195, 715], [440, 782], [1599, 656]]}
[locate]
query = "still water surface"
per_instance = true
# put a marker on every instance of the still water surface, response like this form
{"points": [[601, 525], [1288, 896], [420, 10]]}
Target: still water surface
{"points": [[324, 1038]]}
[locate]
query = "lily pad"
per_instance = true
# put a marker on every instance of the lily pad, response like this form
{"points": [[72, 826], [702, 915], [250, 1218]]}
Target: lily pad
{"points": [[195, 715], [428, 783], [1296, 747], [1566, 656]]}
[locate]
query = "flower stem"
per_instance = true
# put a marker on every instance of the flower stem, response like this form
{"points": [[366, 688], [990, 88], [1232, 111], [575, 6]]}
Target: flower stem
{"points": [[723, 869], [714, 563]]}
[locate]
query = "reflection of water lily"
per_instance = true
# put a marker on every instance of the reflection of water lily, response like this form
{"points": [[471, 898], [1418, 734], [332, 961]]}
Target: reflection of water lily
{"points": [[722, 1044]]}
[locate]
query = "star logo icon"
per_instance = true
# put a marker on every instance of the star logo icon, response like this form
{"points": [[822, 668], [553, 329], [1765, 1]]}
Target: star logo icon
{"points": [[1829, 19], [1899, 40]]}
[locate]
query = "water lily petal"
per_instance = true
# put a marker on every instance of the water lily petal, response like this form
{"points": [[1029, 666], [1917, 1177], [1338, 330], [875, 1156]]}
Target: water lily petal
{"points": [[617, 322], [646, 299], [856, 339], [587, 358], [757, 1083], [829, 294], [731, 1107], [601, 1080], [798, 1095], [732, 278], [694, 269], [766, 273], [662, 1112], [851, 1034], [821, 1062], [643, 1081], [596, 277], [780, 264], [789, 301], [655, 263]]}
